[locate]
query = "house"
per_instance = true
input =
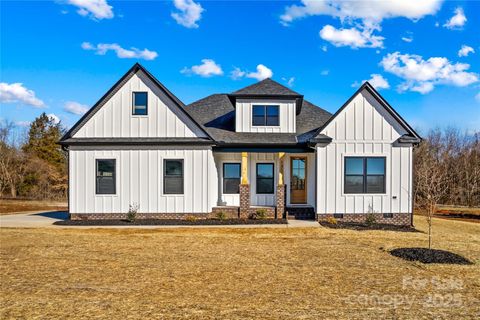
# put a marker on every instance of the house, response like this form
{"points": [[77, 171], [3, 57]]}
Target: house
{"points": [[263, 146]]}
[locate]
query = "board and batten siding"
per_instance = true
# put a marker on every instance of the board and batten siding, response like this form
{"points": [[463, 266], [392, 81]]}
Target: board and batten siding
{"points": [[243, 116], [364, 128], [115, 119], [139, 179]]}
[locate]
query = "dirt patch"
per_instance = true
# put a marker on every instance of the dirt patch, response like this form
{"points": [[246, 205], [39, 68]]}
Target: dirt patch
{"points": [[169, 222], [425, 255], [366, 227]]}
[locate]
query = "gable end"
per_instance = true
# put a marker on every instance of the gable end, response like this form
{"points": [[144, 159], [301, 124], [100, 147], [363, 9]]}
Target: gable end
{"points": [[115, 88], [415, 138]]}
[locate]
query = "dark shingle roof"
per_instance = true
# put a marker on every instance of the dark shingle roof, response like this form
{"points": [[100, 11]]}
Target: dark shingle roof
{"points": [[216, 114], [266, 87]]}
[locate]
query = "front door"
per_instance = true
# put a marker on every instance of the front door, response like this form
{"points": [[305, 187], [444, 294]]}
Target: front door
{"points": [[298, 180]]}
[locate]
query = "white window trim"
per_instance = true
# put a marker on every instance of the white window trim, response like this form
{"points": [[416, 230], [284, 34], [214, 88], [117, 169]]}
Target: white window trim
{"points": [[367, 155], [162, 161], [117, 175]]}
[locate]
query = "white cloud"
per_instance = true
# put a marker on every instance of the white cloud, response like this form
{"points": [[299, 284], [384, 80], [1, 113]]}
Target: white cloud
{"points": [[364, 16], [17, 93], [368, 11], [457, 21], [477, 97], [95, 9], [325, 72], [103, 48], [207, 69], [407, 39], [465, 51], [75, 108], [237, 73], [54, 118], [324, 48], [376, 80], [422, 75], [262, 72], [290, 81], [352, 37], [190, 13]]}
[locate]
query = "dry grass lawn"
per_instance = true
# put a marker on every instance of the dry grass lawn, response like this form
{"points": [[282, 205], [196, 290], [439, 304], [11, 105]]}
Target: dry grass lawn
{"points": [[8, 206], [235, 273]]}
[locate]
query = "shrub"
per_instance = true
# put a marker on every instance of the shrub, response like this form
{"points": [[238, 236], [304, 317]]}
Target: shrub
{"points": [[191, 218], [370, 219], [259, 214], [132, 212], [331, 220], [221, 215]]}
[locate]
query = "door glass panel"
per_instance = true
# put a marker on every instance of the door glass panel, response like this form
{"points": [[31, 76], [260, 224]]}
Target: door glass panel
{"points": [[298, 174]]}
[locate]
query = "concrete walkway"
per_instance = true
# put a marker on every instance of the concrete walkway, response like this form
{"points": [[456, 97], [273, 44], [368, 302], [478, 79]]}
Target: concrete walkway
{"points": [[44, 219]]}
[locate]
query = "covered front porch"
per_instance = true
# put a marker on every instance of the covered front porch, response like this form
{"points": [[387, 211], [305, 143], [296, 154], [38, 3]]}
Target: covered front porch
{"points": [[272, 182]]}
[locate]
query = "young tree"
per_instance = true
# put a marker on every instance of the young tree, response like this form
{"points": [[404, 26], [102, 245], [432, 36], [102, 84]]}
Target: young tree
{"points": [[432, 176]]}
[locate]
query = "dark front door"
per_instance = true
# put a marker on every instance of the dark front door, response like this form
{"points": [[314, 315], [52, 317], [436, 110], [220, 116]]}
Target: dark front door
{"points": [[298, 180]]}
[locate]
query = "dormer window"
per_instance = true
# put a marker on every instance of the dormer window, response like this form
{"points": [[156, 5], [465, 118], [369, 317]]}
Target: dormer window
{"points": [[265, 115], [140, 104]]}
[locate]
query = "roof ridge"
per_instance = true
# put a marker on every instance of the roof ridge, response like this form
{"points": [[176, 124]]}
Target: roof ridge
{"points": [[267, 86]]}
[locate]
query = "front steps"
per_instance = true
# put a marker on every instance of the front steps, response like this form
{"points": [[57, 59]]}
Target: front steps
{"points": [[300, 213]]}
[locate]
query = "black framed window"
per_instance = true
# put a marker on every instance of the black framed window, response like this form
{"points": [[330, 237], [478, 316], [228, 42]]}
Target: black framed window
{"points": [[364, 175], [231, 178], [105, 176], [173, 176], [140, 103], [265, 178], [265, 115]]}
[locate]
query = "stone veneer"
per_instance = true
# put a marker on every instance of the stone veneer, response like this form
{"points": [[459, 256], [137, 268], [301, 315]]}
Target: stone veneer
{"points": [[280, 212], [399, 219], [244, 200]]}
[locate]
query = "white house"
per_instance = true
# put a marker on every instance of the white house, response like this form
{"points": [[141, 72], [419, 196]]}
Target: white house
{"points": [[263, 146]]}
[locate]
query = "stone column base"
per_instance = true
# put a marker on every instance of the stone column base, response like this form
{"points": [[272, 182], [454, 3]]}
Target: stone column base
{"points": [[280, 212], [244, 200]]}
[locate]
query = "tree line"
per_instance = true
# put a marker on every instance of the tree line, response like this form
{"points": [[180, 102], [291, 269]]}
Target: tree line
{"points": [[446, 164], [32, 164]]}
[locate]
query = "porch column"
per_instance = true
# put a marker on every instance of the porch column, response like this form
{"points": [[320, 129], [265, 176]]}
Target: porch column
{"points": [[244, 188], [280, 199]]}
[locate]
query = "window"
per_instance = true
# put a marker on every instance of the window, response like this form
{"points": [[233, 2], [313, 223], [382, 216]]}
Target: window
{"points": [[231, 178], [364, 175], [105, 176], [265, 181], [265, 116], [173, 176], [140, 103]]}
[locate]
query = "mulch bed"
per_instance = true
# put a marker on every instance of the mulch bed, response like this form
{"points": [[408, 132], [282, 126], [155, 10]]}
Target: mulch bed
{"points": [[426, 255], [168, 222], [365, 227]]}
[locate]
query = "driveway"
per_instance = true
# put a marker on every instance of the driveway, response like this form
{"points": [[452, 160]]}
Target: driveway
{"points": [[32, 219], [47, 218]]}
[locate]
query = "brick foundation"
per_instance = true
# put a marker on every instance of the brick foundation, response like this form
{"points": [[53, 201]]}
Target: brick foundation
{"points": [[244, 200], [399, 219], [114, 216], [280, 212], [270, 211], [231, 212]]}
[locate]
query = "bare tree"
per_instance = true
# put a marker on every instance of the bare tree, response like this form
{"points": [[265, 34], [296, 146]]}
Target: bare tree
{"points": [[431, 177]]}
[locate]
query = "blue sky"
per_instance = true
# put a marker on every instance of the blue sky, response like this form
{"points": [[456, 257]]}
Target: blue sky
{"points": [[61, 57]]}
